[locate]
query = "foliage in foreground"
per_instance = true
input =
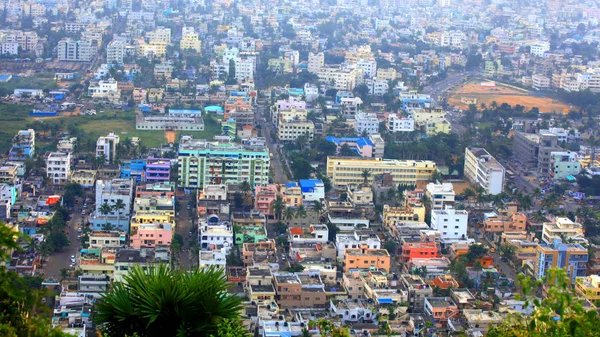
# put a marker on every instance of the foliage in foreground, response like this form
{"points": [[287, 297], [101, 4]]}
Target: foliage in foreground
{"points": [[163, 302], [560, 314]]}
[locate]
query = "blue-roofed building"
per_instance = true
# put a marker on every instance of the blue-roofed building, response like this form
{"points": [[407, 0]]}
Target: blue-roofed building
{"points": [[342, 94], [312, 189], [134, 169], [296, 92], [372, 147], [23, 146], [185, 112], [214, 109]]}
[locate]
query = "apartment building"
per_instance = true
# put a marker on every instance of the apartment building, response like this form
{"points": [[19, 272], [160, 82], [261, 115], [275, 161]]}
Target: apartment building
{"points": [[162, 34], [366, 123], [410, 212], [106, 239], [157, 170], [398, 123], [480, 322], [364, 257], [417, 290], [151, 235], [440, 308], [110, 191], [419, 250], [341, 78], [290, 131], [85, 178], [451, 223], [115, 52], [300, 290], [23, 145], [215, 234], [105, 90], [264, 252], [58, 167], [539, 48], [76, 50], [316, 61], [534, 150], [482, 169], [129, 258], [588, 287], [344, 170], [151, 49], [564, 164], [107, 147], [571, 257], [503, 223], [440, 194], [562, 228], [202, 162], [344, 241], [386, 74], [190, 40]]}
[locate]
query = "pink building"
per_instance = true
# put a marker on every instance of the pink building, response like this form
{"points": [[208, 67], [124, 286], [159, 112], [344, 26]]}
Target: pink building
{"points": [[288, 104], [264, 198], [151, 235], [158, 170]]}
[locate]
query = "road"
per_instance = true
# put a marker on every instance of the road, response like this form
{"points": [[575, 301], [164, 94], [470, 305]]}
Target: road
{"points": [[439, 88], [279, 176], [183, 227], [62, 260]]}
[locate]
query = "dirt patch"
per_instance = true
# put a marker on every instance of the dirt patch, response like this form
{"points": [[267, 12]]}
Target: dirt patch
{"points": [[170, 136], [475, 93]]}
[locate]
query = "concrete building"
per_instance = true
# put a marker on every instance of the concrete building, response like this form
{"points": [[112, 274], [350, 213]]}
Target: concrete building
{"points": [[397, 123], [115, 52], [364, 257], [341, 78], [451, 223], [588, 287], [534, 150], [214, 234], [106, 239], [128, 258], [110, 191], [23, 145], [564, 164], [482, 169], [58, 167], [107, 147], [480, 322], [366, 123], [316, 61], [344, 170], [190, 40], [563, 228], [76, 50], [440, 195], [344, 241], [417, 291], [371, 147], [571, 257], [151, 235], [539, 48], [204, 162], [170, 122]]}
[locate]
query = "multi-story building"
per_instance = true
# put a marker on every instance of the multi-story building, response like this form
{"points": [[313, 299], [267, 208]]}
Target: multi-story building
{"points": [[484, 170], [58, 167], [341, 78], [534, 151], [419, 250], [440, 194], [366, 123], [214, 235], [562, 228], [115, 52], [158, 170], [386, 74], [411, 212], [76, 50], [539, 48], [397, 123], [66, 145], [440, 308], [344, 241], [512, 222], [23, 145], [151, 235], [105, 90], [162, 34], [85, 178], [571, 257], [129, 258], [345, 170], [302, 290], [204, 162], [451, 223], [107, 147], [190, 40], [106, 239], [588, 287], [290, 131], [316, 61], [564, 164], [110, 192], [417, 291], [480, 322], [364, 257]]}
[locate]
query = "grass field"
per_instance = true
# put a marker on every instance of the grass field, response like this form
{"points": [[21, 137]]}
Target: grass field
{"points": [[39, 81], [503, 94], [15, 117]]}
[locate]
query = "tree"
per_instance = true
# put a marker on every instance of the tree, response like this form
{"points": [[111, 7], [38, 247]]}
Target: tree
{"points": [[289, 213], [329, 329], [476, 251], [246, 189], [560, 313], [318, 207], [508, 251], [301, 212], [277, 207], [105, 210], [526, 203], [118, 206], [280, 227], [72, 190], [64, 273], [365, 174], [346, 151], [391, 246], [163, 302], [58, 240]]}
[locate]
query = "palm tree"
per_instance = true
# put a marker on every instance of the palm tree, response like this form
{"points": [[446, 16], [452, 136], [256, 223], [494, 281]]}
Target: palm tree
{"points": [[105, 209], [526, 203], [118, 206], [159, 301], [64, 273], [365, 175], [277, 207], [289, 213], [246, 189], [536, 193], [301, 212], [539, 217], [318, 207], [100, 161]]}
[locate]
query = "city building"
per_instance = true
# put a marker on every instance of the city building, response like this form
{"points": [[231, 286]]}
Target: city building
{"points": [[364, 257], [128, 258], [564, 164], [588, 287], [451, 223], [111, 191], [107, 147], [76, 50], [366, 123], [58, 167], [202, 162], [115, 52], [106, 239], [344, 241], [158, 170], [563, 228], [345, 170], [190, 40], [417, 291], [398, 123], [482, 169], [571, 257], [534, 151], [440, 194], [480, 322], [371, 147], [23, 145]]}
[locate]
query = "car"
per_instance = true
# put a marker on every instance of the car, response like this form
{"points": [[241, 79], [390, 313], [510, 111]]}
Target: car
{"points": [[84, 205], [188, 207], [82, 213], [72, 257]]}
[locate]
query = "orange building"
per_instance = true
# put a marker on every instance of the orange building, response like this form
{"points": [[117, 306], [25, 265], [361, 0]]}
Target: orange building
{"points": [[419, 250], [366, 258], [445, 282], [515, 222], [236, 103]]}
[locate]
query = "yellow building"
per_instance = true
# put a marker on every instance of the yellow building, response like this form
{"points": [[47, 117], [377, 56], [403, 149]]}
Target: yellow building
{"points": [[349, 170], [289, 131], [156, 217], [434, 127], [102, 264], [426, 115], [155, 48], [386, 74], [85, 178], [341, 78], [588, 287], [408, 213], [191, 41]]}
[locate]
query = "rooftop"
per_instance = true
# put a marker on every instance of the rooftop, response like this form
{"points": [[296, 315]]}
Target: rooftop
{"points": [[440, 302]]}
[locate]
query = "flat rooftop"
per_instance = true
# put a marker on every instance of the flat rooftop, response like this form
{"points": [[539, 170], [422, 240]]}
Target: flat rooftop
{"points": [[440, 302]]}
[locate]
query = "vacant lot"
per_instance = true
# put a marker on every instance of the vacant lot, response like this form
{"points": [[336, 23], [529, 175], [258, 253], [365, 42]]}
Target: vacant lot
{"points": [[474, 91]]}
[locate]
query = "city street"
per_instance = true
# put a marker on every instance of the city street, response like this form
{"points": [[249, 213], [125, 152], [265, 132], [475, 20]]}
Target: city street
{"points": [[62, 260], [184, 226], [279, 175]]}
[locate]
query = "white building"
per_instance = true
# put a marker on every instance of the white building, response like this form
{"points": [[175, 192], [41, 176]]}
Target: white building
{"points": [[115, 51], [366, 122], [107, 146], [539, 48], [312, 189], [316, 61], [105, 90], [110, 191], [540, 82], [451, 223], [215, 235], [377, 87], [564, 164], [354, 240], [76, 50], [161, 34], [311, 92], [216, 257], [369, 67], [58, 167], [484, 170], [440, 194], [398, 123]]}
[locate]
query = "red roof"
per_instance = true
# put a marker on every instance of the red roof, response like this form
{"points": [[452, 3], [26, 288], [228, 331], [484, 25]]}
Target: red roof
{"points": [[296, 231]]}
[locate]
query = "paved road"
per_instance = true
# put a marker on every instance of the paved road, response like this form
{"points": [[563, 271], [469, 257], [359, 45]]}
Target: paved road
{"points": [[439, 88], [183, 227], [279, 176], [62, 260]]}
